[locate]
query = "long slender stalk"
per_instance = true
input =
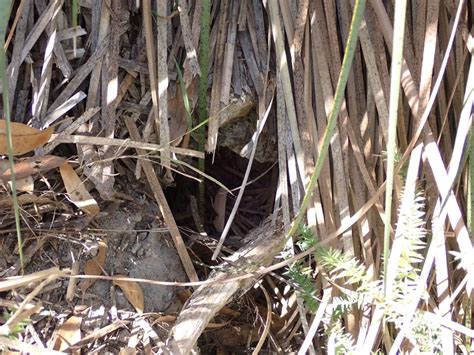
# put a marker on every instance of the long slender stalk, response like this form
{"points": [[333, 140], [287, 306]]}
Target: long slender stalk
{"points": [[339, 96], [470, 221], [5, 8], [396, 70], [202, 99], [470, 186]]}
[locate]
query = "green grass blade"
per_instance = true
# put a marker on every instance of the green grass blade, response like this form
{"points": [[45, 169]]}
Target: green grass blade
{"points": [[5, 8], [204, 62], [202, 95], [396, 70]]}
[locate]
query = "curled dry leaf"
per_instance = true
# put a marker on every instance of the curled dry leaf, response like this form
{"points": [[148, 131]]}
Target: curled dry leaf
{"points": [[68, 333], [30, 166], [76, 190], [24, 183], [94, 266], [134, 293], [24, 138]]}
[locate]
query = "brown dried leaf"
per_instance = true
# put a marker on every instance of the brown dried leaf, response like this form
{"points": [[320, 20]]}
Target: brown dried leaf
{"points": [[76, 190], [25, 184], [68, 333], [94, 266], [24, 138], [134, 293], [30, 166]]}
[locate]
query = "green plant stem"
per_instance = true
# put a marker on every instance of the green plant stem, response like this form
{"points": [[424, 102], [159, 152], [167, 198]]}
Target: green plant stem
{"points": [[202, 99], [339, 96], [5, 8], [396, 70]]}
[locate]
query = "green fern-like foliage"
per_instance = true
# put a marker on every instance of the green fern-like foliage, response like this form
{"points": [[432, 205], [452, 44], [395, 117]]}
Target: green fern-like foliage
{"points": [[301, 277], [426, 335], [412, 234], [411, 224], [336, 266], [306, 238], [340, 266], [338, 339], [18, 328]]}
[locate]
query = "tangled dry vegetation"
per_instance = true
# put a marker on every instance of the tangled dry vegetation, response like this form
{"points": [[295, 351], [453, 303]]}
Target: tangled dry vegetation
{"points": [[236, 176]]}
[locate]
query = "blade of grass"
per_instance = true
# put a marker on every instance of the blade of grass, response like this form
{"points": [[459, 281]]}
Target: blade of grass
{"points": [[202, 94], [204, 63], [396, 73], [5, 8]]}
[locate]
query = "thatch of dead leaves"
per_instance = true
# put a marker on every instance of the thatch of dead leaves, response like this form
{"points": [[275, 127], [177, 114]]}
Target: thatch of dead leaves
{"points": [[126, 80]]}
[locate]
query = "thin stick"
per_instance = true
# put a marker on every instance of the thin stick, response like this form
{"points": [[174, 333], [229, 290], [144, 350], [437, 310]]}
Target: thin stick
{"points": [[260, 125], [77, 139], [163, 205], [268, 322]]}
